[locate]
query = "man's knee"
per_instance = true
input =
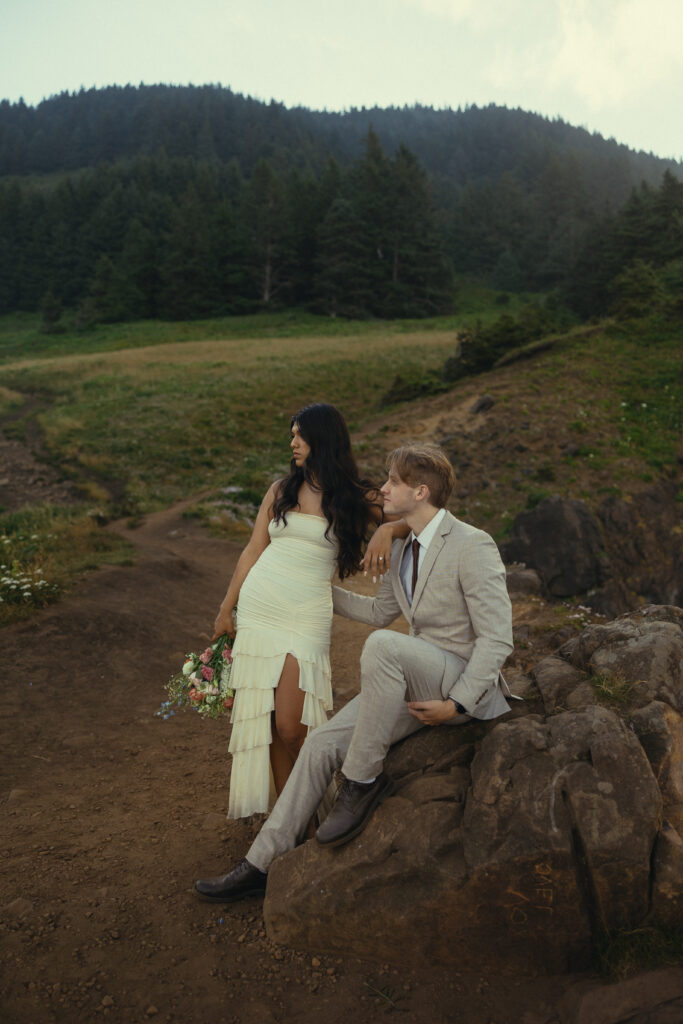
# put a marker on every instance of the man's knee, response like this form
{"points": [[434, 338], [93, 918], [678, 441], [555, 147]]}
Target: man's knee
{"points": [[380, 645], [326, 745]]}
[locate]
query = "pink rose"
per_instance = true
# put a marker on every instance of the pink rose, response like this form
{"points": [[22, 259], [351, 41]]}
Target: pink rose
{"points": [[195, 695], [227, 654], [207, 673], [206, 656]]}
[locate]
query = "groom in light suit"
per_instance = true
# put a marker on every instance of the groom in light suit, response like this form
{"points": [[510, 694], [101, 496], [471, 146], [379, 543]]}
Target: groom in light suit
{"points": [[448, 580]]}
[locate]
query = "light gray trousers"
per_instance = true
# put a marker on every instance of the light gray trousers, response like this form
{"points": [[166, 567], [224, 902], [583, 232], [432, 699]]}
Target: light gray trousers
{"points": [[394, 668]]}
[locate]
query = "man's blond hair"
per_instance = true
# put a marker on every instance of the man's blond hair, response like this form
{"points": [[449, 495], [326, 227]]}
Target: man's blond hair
{"points": [[425, 464]]}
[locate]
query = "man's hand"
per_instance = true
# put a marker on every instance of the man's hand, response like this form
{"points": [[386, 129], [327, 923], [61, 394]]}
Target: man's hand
{"points": [[432, 712], [377, 557]]}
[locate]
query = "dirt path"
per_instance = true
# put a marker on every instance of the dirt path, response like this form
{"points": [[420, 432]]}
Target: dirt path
{"points": [[112, 813]]}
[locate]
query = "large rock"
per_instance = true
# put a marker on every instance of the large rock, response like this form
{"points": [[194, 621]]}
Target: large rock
{"points": [[667, 882], [660, 731], [627, 554], [522, 581], [643, 649], [513, 844], [561, 685], [511, 861], [614, 806], [655, 997], [561, 540], [642, 535]]}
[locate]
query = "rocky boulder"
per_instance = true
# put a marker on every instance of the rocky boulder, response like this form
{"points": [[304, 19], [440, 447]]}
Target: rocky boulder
{"points": [[522, 581], [560, 539], [561, 685], [516, 842], [628, 553], [643, 650], [660, 731], [511, 860], [642, 535]]}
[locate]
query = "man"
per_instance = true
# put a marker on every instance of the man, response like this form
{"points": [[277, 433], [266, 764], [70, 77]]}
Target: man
{"points": [[448, 580]]}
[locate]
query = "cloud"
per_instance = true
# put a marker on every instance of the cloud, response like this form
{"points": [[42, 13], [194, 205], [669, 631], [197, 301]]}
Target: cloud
{"points": [[483, 15], [608, 56], [604, 53]]}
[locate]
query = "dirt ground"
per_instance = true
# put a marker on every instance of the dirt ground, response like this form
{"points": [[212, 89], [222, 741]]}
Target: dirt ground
{"points": [[111, 813]]}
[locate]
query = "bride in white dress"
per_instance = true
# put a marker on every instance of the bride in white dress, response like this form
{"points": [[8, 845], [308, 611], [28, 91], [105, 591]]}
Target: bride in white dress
{"points": [[311, 524]]}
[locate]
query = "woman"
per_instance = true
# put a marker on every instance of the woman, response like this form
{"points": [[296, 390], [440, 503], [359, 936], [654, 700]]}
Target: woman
{"points": [[311, 523]]}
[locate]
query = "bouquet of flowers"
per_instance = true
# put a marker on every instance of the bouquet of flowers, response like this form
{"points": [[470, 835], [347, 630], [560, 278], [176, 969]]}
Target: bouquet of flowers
{"points": [[203, 682]]}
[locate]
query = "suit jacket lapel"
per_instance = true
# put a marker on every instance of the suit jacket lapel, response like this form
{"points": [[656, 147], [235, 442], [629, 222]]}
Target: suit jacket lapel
{"points": [[430, 558]]}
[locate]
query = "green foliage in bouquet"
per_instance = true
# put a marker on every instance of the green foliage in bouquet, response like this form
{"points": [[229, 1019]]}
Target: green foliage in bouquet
{"points": [[203, 683]]}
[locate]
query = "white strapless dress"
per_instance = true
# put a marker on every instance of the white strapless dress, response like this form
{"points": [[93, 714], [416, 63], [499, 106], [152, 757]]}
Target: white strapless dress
{"points": [[284, 607]]}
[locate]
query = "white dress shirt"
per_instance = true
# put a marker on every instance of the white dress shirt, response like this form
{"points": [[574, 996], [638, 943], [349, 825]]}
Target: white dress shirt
{"points": [[424, 540]]}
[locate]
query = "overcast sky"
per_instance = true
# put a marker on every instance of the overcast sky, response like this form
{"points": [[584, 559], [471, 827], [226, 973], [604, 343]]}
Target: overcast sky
{"points": [[613, 66]]}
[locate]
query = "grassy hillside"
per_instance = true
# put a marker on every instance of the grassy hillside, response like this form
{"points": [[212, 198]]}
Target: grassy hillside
{"points": [[153, 413], [598, 413]]}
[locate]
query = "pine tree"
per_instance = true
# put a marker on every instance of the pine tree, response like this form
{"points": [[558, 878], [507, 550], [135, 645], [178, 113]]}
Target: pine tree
{"points": [[263, 216]]}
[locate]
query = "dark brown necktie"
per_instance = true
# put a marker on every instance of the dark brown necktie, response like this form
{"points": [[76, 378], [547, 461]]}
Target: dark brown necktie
{"points": [[416, 565]]}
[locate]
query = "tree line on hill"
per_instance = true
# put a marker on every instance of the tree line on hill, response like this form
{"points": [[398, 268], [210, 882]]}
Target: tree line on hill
{"points": [[178, 239], [205, 203], [210, 123]]}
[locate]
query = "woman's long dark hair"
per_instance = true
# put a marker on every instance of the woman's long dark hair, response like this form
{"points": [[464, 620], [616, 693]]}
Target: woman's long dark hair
{"points": [[347, 500]]}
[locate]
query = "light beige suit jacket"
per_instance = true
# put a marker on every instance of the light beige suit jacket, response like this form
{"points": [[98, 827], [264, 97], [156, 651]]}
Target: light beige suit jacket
{"points": [[460, 604]]}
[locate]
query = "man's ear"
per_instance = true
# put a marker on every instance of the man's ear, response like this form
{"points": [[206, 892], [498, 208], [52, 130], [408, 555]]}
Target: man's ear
{"points": [[422, 492]]}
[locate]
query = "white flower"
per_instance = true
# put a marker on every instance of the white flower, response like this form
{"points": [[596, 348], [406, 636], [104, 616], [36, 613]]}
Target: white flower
{"points": [[187, 667]]}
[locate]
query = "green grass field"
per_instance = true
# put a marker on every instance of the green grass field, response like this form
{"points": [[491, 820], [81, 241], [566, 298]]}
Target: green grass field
{"points": [[141, 415], [150, 425]]}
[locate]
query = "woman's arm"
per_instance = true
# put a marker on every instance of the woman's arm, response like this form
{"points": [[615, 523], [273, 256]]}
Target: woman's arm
{"points": [[258, 542], [377, 557]]}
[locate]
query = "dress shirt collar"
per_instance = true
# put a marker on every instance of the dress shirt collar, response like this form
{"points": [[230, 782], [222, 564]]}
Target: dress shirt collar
{"points": [[427, 534]]}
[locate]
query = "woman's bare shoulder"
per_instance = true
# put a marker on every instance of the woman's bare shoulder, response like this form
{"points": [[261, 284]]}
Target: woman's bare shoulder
{"points": [[271, 496]]}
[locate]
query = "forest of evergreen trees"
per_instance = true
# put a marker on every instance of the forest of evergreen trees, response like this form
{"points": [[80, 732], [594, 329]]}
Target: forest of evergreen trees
{"points": [[186, 202]]}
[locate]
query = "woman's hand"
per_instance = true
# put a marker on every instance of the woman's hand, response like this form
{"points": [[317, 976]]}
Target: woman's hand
{"points": [[377, 557], [224, 624]]}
